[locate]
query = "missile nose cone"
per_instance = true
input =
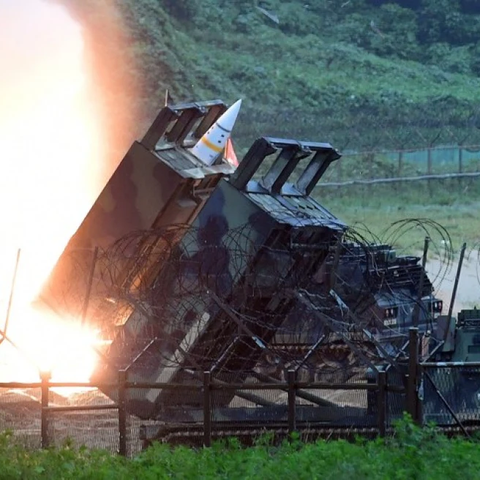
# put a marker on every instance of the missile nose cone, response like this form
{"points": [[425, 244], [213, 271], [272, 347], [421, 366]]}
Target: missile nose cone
{"points": [[228, 119], [209, 147]]}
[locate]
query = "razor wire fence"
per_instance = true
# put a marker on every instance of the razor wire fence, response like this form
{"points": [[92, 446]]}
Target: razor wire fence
{"points": [[331, 384]]}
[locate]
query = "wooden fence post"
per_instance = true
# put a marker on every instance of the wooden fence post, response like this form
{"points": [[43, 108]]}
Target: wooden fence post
{"points": [[460, 165], [45, 390], [382, 403], [292, 414], [371, 159], [207, 409], [429, 170], [122, 413]]}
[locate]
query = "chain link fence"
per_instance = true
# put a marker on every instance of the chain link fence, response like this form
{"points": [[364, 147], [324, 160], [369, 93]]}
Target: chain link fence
{"points": [[208, 408], [212, 408], [451, 394], [392, 166]]}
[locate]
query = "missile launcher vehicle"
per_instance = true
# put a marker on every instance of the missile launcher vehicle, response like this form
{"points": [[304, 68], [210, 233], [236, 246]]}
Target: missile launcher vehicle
{"points": [[221, 296], [186, 267]]}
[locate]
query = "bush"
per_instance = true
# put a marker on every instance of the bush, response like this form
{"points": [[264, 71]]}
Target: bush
{"points": [[411, 453]]}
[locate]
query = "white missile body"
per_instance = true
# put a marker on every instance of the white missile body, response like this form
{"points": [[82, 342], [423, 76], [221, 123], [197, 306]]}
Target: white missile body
{"points": [[209, 147]]}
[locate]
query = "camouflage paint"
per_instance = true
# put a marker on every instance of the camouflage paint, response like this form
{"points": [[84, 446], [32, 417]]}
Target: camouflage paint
{"points": [[268, 223], [155, 184]]}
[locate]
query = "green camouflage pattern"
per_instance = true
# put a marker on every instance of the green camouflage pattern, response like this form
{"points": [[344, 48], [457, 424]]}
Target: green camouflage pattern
{"points": [[238, 254], [157, 183], [457, 376]]}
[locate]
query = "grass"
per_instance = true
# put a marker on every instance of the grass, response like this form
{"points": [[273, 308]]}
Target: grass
{"points": [[412, 453], [374, 209]]}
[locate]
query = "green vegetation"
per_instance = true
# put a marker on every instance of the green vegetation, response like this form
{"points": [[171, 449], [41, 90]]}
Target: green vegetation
{"points": [[451, 203], [412, 453], [354, 72], [326, 70]]}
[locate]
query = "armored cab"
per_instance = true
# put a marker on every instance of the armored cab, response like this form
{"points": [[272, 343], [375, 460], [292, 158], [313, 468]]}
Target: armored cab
{"points": [[387, 293], [460, 338], [159, 182], [228, 284], [453, 384]]}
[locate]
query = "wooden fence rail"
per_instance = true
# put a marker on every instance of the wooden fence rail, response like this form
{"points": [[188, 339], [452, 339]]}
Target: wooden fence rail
{"points": [[210, 386], [415, 373]]}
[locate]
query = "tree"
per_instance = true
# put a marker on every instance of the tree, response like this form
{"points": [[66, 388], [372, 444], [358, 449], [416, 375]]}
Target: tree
{"points": [[182, 9], [470, 6]]}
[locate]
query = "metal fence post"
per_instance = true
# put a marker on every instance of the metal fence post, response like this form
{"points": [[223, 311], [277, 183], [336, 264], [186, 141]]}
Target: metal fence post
{"points": [[412, 373], [207, 410], [45, 379], [122, 413], [292, 421], [397, 185], [339, 167], [400, 163], [460, 159], [371, 159], [382, 403]]}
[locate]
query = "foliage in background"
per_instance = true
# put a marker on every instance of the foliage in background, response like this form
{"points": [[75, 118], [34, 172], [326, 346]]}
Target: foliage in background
{"points": [[356, 72], [321, 71]]}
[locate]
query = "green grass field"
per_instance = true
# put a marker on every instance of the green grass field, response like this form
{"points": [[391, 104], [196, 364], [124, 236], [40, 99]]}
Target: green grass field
{"points": [[374, 209]]}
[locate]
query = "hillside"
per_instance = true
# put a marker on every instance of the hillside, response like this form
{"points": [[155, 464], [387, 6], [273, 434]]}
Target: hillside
{"points": [[354, 72]]}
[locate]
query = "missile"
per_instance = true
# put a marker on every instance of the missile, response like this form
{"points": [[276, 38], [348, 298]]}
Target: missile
{"points": [[209, 147]]}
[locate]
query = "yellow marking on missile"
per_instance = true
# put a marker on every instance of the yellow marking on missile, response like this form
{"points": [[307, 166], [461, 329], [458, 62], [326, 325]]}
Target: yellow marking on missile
{"points": [[212, 146]]}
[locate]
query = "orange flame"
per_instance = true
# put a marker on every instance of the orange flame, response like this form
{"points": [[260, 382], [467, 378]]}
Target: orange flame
{"points": [[51, 160]]}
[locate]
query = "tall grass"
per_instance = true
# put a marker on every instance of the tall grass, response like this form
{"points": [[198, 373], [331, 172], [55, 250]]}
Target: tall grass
{"points": [[452, 203]]}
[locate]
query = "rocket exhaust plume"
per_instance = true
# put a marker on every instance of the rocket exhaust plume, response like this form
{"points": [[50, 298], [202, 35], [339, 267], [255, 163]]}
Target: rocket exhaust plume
{"points": [[50, 159]]}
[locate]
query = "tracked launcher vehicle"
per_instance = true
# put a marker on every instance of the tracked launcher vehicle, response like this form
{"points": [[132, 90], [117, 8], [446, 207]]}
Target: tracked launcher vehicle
{"points": [[187, 268]]}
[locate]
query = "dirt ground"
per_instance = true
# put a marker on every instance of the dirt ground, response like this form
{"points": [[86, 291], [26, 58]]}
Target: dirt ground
{"points": [[468, 292]]}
